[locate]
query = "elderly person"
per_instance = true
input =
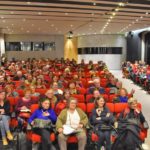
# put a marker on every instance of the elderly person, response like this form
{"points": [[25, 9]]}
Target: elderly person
{"points": [[53, 99], [45, 116], [74, 119], [97, 86], [4, 118], [129, 127], [102, 120]]}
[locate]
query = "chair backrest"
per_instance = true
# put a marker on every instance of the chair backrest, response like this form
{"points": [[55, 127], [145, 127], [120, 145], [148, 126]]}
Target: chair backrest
{"points": [[79, 97], [111, 107], [111, 97], [119, 107], [34, 107], [82, 106], [90, 107], [82, 90], [88, 97], [41, 91]]}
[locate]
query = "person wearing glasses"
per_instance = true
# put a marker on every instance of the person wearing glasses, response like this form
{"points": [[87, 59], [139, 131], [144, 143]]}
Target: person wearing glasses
{"points": [[72, 121]]}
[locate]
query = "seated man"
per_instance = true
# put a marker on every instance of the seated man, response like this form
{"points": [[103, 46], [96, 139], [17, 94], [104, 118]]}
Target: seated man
{"points": [[96, 86], [72, 120]]}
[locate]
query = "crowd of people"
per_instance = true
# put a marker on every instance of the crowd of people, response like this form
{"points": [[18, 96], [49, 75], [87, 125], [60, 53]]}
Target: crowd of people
{"points": [[138, 72], [54, 84]]}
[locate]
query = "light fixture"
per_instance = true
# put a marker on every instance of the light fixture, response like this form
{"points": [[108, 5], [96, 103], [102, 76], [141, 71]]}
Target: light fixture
{"points": [[70, 35]]}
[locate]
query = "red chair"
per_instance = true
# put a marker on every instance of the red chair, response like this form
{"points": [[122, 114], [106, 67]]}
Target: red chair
{"points": [[111, 98], [90, 107], [88, 97], [82, 90], [82, 106], [35, 138], [79, 97], [41, 91], [20, 92]]}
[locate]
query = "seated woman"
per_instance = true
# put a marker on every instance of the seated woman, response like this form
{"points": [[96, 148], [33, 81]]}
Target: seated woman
{"points": [[23, 107], [73, 89], [4, 118], [10, 92], [96, 94], [62, 103], [129, 127], [45, 117], [40, 84], [75, 119], [102, 120], [123, 96]]}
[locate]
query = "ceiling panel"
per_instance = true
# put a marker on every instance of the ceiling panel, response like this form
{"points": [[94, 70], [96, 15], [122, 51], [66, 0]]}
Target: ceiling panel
{"points": [[79, 16]]}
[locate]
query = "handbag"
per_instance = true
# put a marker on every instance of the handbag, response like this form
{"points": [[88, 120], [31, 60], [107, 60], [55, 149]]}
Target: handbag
{"points": [[40, 123]]}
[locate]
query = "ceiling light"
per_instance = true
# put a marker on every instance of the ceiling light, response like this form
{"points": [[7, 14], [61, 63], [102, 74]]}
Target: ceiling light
{"points": [[117, 9], [137, 20], [39, 13], [28, 31], [66, 13], [2, 17], [46, 20], [111, 17], [94, 3], [121, 4], [3, 21], [52, 25], [113, 13], [39, 29], [71, 25], [146, 13], [11, 12], [28, 2], [32, 25], [24, 19], [12, 24], [70, 35]]}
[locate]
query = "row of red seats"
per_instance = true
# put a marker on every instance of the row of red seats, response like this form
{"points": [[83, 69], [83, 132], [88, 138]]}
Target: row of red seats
{"points": [[114, 108]]}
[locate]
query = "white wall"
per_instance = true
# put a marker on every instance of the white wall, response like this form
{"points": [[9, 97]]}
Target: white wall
{"points": [[21, 55], [113, 61], [2, 44]]}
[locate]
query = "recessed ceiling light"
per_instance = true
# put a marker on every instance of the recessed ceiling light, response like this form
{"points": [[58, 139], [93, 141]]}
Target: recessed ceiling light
{"points": [[113, 13], [39, 29], [92, 14], [46, 20], [28, 31], [56, 29], [2, 17], [121, 4], [111, 17], [32, 25], [11, 12], [146, 13], [3, 21], [66, 13], [39, 13], [12, 24], [28, 2], [141, 17], [137, 20], [94, 3], [71, 25], [117, 9], [24, 19], [52, 25]]}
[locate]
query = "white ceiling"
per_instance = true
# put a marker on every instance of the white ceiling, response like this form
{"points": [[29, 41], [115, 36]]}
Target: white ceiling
{"points": [[80, 16]]}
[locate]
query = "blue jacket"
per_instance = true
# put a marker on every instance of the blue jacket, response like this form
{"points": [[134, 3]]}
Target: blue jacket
{"points": [[38, 114]]}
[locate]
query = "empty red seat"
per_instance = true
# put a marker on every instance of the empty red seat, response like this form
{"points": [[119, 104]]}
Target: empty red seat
{"points": [[79, 97]]}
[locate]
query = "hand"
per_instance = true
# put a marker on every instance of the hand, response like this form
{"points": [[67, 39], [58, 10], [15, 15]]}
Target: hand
{"points": [[80, 125], [98, 118], [132, 91], [32, 123], [108, 114], [2, 111], [60, 130], [46, 114], [23, 107]]}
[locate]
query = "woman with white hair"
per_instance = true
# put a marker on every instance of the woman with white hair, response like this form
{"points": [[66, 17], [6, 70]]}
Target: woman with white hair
{"points": [[129, 127], [72, 120]]}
